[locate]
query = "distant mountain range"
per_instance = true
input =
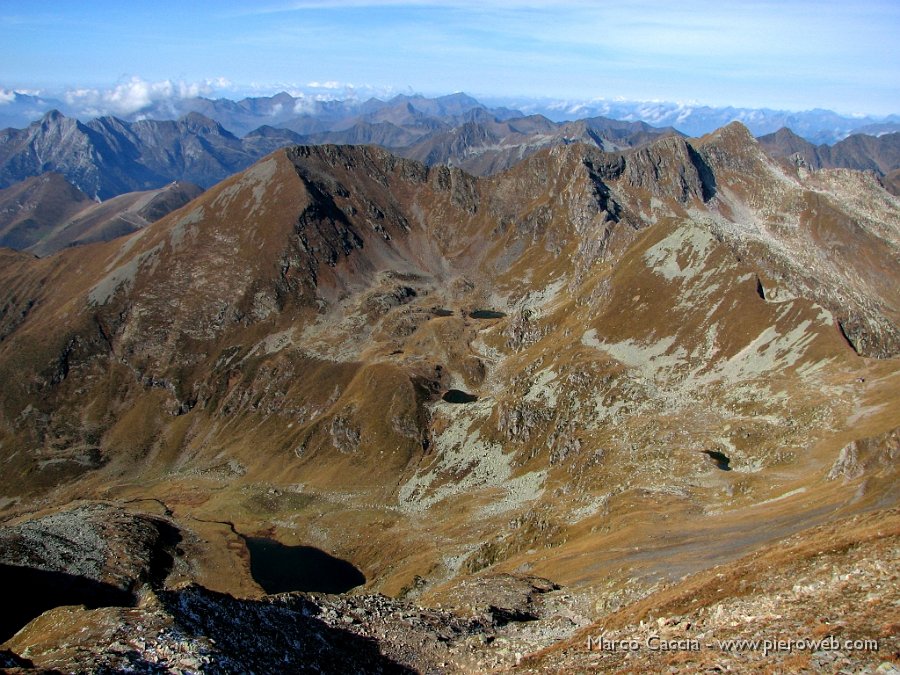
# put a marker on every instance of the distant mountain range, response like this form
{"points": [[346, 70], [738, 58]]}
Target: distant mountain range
{"points": [[54, 170], [862, 152], [817, 126], [302, 115], [306, 115], [108, 156]]}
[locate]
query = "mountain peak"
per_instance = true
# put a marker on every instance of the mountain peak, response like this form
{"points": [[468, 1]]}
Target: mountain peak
{"points": [[784, 133], [54, 119], [734, 132], [732, 148], [669, 168], [785, 143], [459, 98], [53, 115], [197, 122]]}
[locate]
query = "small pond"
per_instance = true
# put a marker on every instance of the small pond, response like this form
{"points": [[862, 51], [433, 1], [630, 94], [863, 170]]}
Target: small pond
{"points": [[281, 569], [722, 460], [440, 311], [486, 314], [458, 396]]}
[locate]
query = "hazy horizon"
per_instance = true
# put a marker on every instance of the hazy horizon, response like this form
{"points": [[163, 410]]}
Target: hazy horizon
{"points": [[791, 56]]}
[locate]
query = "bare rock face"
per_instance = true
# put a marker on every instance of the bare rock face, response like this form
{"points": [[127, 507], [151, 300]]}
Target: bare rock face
{"points": [[846, 465], [668, 169], [866, 456], [344, 435]]}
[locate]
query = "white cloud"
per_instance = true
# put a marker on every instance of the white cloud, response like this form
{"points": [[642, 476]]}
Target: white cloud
{"points": [[7, 96], [137, 94], [303, 104], [330, 84]]}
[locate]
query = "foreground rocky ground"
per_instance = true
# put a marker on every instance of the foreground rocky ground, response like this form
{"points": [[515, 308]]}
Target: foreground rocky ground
{"points": [[824, 600], [832, 588]]}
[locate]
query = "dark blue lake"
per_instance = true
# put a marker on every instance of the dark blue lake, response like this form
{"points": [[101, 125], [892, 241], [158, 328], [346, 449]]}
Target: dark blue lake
{"points": [[458, 396], [281, 569]]}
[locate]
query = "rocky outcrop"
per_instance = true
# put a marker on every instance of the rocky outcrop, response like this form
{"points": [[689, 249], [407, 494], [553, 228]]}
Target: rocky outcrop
{"points": [[668, 169], [93, 554], [732, 149], [493, 622]]}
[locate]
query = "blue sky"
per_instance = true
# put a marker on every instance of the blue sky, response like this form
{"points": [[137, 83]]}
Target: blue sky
{"points": [[793, 55]]}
